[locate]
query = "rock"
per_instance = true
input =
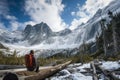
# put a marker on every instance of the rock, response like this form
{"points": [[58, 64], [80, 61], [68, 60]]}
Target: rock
{"points": [[63, 72]]}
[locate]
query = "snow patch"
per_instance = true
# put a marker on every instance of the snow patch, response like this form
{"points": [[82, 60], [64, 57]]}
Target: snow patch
{"points": [[109, 65]]}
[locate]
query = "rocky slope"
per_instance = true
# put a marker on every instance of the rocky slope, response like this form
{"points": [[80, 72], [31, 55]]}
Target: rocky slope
{"points": [[40, 36]]}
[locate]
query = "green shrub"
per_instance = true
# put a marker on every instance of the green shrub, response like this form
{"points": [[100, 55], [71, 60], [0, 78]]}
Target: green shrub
{"points": [[81, 58], [11, 59]]}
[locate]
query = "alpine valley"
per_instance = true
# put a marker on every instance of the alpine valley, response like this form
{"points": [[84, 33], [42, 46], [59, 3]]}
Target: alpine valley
{"points": [[45, 42]]}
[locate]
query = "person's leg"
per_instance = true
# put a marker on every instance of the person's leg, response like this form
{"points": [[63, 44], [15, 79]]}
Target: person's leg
{"points": [[37, 66], [30, 69], [37, 69]]}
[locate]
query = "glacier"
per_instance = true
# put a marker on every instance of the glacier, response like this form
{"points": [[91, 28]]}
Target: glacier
{"points": [[40, 37]]}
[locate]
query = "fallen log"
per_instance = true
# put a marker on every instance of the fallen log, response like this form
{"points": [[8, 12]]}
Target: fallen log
{"points": [[94, 71], [109, 75], [44, 73]]}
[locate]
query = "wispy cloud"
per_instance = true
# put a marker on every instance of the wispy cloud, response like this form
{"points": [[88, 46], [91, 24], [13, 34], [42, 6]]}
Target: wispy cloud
{"points": [[2, 26], [9, 17], [4, 13], [86, 11], [48, 11]]}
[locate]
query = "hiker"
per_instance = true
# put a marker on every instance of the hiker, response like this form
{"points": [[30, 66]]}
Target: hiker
{"points": [[31, 62]]}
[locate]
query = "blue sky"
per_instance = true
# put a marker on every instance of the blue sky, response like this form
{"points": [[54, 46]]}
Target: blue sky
{"points": [[58, 14], [71, 5]]}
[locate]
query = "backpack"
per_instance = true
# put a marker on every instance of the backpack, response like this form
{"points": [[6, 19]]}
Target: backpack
{"points": [[29, 60]]}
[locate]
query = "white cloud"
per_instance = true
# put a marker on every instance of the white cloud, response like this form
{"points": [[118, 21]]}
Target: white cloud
{"points": [[91, 6], [29, 22], [2, 26], [47, 11], [10, 17], [74, 23], [87, 11], [12, 20], [73, 13], [14, 25], [4, 12]]}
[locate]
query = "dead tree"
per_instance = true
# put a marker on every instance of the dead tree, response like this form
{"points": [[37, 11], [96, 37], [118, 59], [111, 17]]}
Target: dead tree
{"points": [[43, 73], [95, 77], [108, 74]]}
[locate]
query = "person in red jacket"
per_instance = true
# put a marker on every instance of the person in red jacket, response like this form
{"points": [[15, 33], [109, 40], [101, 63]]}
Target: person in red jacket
{"points": [[31, 63]]}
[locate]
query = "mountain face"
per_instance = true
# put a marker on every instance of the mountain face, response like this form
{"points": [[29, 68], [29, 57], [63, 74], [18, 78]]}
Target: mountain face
{"points": [[10, 37], [41, 32], [42, 37], [37, 33], [63, 32], [92, 27], [3, 35]]}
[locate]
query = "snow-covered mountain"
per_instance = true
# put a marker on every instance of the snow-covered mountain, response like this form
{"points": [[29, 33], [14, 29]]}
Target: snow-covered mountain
{"points": [[40, 36], [37, 33], [10, 37]]}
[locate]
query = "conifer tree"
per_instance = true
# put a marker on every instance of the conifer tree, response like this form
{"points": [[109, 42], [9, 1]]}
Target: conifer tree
{"points": [[104, 36], [113, 22]]}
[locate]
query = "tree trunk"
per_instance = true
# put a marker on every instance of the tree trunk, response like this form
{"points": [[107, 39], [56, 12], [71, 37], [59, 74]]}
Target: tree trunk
{"points": [[47, 72], [109, 75], [104, 38], [94, 71], [114, 21], [114, 37]]}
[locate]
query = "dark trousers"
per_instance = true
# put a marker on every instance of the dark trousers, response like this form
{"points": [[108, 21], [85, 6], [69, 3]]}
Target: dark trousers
{"points": [[36, 68], [30, 68]]}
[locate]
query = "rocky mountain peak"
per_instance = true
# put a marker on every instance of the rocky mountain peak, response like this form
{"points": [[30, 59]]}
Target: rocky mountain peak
{"points": [[42, 27]]}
